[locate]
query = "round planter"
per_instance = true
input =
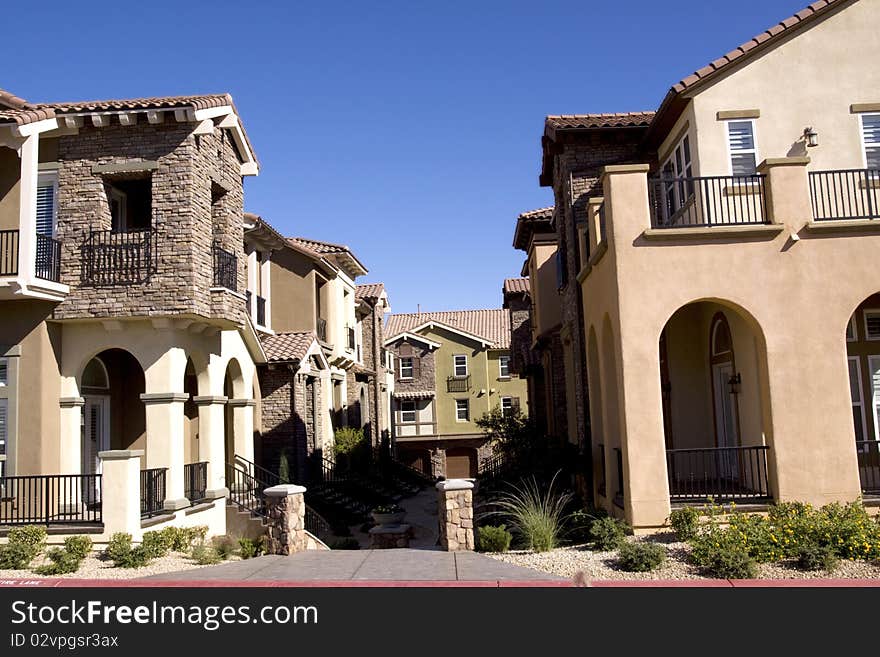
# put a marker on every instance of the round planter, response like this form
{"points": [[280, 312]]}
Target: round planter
{"points": [[386, 519]]}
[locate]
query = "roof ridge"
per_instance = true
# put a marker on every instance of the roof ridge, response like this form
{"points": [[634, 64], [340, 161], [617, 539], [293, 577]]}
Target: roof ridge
{"points": [[140, 99]]}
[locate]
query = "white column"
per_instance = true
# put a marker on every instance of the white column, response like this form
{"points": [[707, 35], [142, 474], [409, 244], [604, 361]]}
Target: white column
{"points": [[27, 217], [266, 287], [243, 427], [121, 492], [70, 458], [253, 263], [212, 442], [164, 411]]}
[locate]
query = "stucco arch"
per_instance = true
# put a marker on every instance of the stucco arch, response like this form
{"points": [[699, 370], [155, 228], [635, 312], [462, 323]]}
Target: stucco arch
{"points": [[733, 305]]}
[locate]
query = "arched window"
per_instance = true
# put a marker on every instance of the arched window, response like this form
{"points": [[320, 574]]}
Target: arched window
{"points": [[722, 343], [95, 375]]}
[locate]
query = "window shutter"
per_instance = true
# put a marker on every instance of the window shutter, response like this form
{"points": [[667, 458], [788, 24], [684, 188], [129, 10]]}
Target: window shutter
{"points": [[399, 368], [872, 324], [3, 403], [871, 135], [45, 208], [514, 404], [416, 367]]}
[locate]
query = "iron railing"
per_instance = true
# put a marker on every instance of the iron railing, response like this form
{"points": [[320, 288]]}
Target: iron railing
{"points": [[48, 264], [707, 201], [492, 467], [602, 475], [112, 258], [869, 466], [8, 253], [152, 491], [261, 310], [316, 524], [845, 194], [51, 500], [245, 490], [225, 269], [321, 327], [326, 471], [458, 383], [722, 473], [195, 477]]}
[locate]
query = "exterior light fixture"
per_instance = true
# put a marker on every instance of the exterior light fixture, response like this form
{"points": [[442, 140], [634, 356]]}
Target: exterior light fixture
{"points": [[811, 137], [734, 383]]}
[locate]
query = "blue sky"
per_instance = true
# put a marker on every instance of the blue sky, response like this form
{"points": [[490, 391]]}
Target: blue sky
{"points": [[408, 130]]}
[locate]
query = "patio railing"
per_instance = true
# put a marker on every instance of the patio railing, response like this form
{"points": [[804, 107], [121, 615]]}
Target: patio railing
{"points": [[869, 466], [115, 258], [152, 491], [722, 473], [195, 477], [706, 201], [51, 500], [845, 194]]}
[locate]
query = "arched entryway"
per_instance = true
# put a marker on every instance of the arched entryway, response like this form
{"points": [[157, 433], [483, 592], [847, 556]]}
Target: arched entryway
{"points": [[712, 377], [863, 362]]}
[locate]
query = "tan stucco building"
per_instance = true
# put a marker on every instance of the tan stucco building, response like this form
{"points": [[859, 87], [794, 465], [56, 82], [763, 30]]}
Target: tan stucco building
{"points": [[729, 281]]}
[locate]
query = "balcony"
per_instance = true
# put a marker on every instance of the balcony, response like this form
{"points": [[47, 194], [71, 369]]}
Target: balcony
{"points": [[848, 194], [112, 258], [8, 253], [458, 383], [47, 265], [706, 201], [225, 269]]}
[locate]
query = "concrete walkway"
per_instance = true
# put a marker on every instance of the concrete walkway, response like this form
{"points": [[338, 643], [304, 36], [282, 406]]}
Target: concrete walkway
{"points": [[403, 565], [421, 515]]}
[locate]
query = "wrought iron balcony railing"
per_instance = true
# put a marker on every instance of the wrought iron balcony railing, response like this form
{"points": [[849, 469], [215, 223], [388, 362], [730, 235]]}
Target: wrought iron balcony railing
{"points": [[458, 383], [845, 194], [112, 258], [225, 269], [707, 201]]}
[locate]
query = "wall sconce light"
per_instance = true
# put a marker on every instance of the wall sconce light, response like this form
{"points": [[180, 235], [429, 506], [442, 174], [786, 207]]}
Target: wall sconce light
{"points": [[811, 137], [734, 382]]}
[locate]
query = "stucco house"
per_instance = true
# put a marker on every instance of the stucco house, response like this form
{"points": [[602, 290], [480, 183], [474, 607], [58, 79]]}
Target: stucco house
{"points": [[727, 249], [451, 368]]}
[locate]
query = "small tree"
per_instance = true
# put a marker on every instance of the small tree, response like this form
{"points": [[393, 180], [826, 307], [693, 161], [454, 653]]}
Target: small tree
{"points": [[283, 468]]}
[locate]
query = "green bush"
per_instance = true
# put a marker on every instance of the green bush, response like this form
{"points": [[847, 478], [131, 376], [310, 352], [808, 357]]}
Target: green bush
{"points": [[63, 561], [731, 563], [283, 468], [158, 543], [493, 538], [205, 555], [120, 551], [16, 556], [249, 548], [685, 523], [78, 546], [32, 536], [535, 516], [225, 546], [347, 543], [348, 440], [817, 557], [177, 539], [640, 557], [579, 523], [608, 533]]}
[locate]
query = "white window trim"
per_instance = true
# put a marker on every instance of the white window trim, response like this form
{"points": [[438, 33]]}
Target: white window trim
{"points": [[47, 177], [411, 365], [671, 159], [414, 411], [122, 198], [862, 116], [467, 406], [508, 399], [875, 398], [455, 366], [501, 374], [851, 327], [748, 150], [865, 313], [4, 381], [861, 402]]}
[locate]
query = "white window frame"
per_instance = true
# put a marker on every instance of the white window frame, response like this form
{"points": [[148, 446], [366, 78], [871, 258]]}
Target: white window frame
{"points": [[44, 179], [501, 359], [862, 116], [122, 199], [865, 313], [509, 401], [673, 189], [5, 438], [851, 335], [875, 398], [410, 368], [403, 411], [455, 358], [861, 402], [4, 372], [753, 150], [467, 410]]}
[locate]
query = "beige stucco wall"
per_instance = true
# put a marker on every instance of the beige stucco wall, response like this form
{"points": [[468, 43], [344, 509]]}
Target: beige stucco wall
{"points": [[545, 298], [10, 173], [293, 292]]}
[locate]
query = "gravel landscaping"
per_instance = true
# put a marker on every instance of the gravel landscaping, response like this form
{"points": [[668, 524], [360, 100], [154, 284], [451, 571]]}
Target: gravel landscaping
{"points": [[569, 561], [94, 567]]}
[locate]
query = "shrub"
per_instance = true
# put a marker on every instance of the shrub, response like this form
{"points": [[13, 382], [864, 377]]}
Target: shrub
{"points": [[608, 533], [641, 557], [226, 546], [493, 538], [158, 543], [348, 440], [283, 468], [731, 563], [205, 555], [249, 548], [31, 536], [347, 543], [178, 539], [817, 557], [535, 516], [63, 561], [123, 555], [685, 522], [78, 546], [579, 523], [16, 556]]}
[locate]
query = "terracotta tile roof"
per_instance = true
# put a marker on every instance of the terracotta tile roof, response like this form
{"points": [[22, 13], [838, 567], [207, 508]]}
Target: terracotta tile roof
{"points": [[516, 286], [368, 291], [287, 346], [493, 325], [157, 102], [545, 214], [341, 255], [318, 246], [17, 110], [612, 120], [12, 101], [533, 221]]}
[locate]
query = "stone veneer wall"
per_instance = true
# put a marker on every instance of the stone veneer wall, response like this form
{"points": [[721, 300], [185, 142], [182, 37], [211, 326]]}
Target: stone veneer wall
{"points": [[285, 520], [455, 508], [426, 378]]}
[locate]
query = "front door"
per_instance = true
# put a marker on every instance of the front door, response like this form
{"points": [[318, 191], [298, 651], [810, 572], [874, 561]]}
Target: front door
{"points": [[726, 429], [95, 439]]}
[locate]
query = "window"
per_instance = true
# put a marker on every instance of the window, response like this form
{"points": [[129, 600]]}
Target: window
{"points": [[47, 205], [506, 406], [407, 412], [872, 324], [461, 367], [677, 171], [504, 366], [874, 367], [4, 371], [3, 431], [130, 204], [851, 330], [855, 393], [462, 410], [743, 154], [406, 367], [871, 139]]}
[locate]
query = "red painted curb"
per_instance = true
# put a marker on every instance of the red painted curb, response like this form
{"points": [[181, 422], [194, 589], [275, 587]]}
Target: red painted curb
{"points": [[343, 584]]}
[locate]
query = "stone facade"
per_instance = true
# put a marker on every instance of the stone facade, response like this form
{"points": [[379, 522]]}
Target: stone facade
{"points": [[286, 520], [455, 508], [424, 377], [196, 199]]}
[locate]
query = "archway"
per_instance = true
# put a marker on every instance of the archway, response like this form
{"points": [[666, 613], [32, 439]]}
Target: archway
{"points": [[712, 361], [863, 361]]}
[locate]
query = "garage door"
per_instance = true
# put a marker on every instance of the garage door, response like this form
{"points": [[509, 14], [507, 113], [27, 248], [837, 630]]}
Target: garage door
{"points": [[461, 463]]}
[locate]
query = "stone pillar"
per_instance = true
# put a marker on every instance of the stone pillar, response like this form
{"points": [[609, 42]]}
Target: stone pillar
{"points": [[164, 411], [455, 508], [243, 427], [212, 442], [121, 492], [286, 516]]}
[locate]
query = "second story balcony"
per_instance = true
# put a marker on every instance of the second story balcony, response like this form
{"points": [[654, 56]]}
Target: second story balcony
{"points": [[225, 269], [119, 258], [704, 201], [46, 259], [458, 383], [847, 194]]}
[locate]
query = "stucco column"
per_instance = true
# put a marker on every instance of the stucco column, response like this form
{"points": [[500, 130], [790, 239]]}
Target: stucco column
{"points": [[212, 442], [27, 217], [164, 414], [787, 191], [594, 223], [243, 427], [70, 458], [121, 492]]}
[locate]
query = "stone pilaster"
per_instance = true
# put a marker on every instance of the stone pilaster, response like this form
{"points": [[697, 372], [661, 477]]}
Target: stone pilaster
{"points": [[455, 508], [286, 515]]}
